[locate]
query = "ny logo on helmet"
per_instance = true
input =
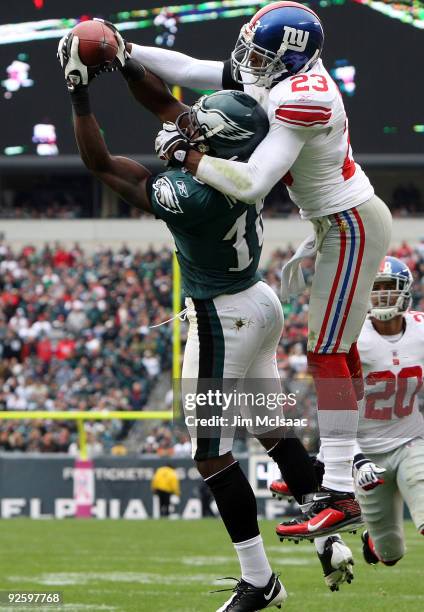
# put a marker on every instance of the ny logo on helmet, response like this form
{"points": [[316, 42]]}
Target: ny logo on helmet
{"points": [[295, 40], [387, 267]]}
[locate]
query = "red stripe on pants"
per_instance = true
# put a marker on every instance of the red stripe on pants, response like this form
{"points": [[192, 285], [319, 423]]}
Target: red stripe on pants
{"points": [[335, 284], [355, 278]]}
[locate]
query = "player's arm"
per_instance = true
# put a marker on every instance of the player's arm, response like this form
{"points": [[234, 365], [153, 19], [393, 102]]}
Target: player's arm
{"points": [[252, 180], [151, 92], [293, 122], [124, 176], [178, 68], [171, 67]]}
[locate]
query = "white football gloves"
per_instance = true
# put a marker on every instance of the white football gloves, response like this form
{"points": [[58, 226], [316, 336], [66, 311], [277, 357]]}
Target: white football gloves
{"points": [[76, 73], [366, 474], [170, 145]]}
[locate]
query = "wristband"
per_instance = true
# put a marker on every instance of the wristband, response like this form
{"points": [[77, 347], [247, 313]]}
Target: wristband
{"points": [[359, 460], [81, 101], [179, 155]]}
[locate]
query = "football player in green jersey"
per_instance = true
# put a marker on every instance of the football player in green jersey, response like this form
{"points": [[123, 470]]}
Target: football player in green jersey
{"points": [[236, 320]]}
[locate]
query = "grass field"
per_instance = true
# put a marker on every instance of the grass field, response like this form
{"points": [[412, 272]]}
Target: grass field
{"points": [[158, 566]]}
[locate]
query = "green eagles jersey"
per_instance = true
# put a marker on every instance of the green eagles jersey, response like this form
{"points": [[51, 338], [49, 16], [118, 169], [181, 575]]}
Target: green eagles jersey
{"points": [[218, 240]]}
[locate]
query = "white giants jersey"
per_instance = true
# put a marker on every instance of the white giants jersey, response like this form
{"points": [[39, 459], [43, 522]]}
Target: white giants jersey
{"points": [[324, 179], [393, 376]]}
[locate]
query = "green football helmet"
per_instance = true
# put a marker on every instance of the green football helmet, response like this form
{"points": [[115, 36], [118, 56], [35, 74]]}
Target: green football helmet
{"points": [[228, 124]]}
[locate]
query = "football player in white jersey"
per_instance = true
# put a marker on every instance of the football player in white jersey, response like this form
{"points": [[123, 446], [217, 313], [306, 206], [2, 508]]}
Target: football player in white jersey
{"points": [[277, 61], [391, 427]]}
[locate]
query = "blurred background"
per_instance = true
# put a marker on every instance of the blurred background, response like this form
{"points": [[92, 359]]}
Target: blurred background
{"points": [[84, 278]]}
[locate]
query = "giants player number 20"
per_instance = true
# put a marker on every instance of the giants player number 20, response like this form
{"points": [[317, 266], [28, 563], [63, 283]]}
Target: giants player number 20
{"points": [[404, 386], [394, 386]]}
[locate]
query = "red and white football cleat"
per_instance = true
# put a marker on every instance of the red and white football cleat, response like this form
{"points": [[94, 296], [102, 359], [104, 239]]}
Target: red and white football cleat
{"points": [[280, 489], [330, 512]]}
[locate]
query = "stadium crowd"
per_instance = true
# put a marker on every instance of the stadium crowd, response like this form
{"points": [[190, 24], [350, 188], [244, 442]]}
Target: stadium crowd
{"points": [[66, 198], [76, 334]]}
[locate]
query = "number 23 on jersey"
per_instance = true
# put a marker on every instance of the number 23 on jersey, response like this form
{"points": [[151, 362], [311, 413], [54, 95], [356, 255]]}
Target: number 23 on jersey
{"points": [[308, 82]]}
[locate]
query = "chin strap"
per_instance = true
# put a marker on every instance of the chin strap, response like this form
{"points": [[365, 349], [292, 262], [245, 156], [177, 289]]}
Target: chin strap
{"points": [[384, 314]]}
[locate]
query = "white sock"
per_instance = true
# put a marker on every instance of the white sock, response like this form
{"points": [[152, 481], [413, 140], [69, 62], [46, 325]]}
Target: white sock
{"points": [[319, 544], [338, 460], [255, 567], [338, 430]]}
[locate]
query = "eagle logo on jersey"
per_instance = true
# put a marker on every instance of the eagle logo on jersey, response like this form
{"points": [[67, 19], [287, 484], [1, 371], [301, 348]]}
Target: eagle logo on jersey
{"points": [[215, 122], [294, 39], [165, 195]]}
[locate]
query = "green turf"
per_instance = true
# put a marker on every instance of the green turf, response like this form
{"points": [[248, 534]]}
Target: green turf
{"points": [[158, 566]]}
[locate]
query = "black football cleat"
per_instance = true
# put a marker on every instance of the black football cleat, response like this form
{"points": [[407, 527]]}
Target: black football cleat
{"points": [[368, 549], [247, 598], [337, 563], [329, 513]]}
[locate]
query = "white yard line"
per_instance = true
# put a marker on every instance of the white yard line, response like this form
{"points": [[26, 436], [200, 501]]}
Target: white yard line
{"points": [[71, 606], [85, 578]]}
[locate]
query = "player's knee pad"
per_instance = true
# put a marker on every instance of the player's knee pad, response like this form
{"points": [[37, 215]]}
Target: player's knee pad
{"points": [[389, 547], [380, 557], [333, 383]]}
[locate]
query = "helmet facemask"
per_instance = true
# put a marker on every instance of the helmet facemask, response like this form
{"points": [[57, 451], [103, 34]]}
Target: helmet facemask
{"points": [[196, 133], [190, 129], [261, 66], [390, 297]]}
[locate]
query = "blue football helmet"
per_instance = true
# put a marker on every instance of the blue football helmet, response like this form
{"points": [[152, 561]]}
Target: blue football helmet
{"points": [[387, 303], [282, 39]]}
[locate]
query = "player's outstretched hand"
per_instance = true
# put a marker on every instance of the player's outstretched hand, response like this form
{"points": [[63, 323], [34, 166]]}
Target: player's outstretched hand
{"points": [[170, 145], [76, 73], [367, 475]]}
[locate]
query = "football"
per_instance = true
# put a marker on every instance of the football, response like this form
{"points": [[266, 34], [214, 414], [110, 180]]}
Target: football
{"points": [[97, 43]]}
